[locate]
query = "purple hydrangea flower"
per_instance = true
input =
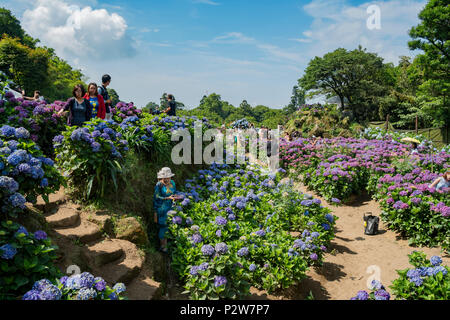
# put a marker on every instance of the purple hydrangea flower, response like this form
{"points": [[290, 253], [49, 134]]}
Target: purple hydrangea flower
{"points": [[177, 220], [221, 248], [243, 252], [51, 292], [220, 281], [314, 256], [362, 295], [100, 284], [41, 284], [252, 267], [208, 250], [260, 233], [40, 235], [382, 295], [221, 221]]}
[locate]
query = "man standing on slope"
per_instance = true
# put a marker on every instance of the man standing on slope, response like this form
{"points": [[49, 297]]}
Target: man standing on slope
{"points": [[103, 91]]}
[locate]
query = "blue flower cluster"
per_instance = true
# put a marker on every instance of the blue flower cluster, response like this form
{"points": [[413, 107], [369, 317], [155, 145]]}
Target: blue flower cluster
{"points": [[78, 287], [418, 275]]}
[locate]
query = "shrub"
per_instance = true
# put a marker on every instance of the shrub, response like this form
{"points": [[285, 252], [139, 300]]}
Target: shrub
{"points": [[26, 173], [24, 258], [92, 156]]}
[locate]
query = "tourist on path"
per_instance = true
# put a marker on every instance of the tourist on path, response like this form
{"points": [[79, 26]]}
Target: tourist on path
{"points": [[103, 91], [96, 101], [162, 202], [80, 110]]}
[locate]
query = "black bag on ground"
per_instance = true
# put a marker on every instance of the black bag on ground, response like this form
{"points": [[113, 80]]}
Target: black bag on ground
{"points": [[371, 224]]}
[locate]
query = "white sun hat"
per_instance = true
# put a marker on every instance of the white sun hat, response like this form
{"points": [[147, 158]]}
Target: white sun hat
{"points": [[165, 173]]}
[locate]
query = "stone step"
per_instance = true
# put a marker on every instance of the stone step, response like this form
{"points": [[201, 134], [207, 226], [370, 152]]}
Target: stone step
{"points": [[65, 217], [144, 288], [126, 268], [102, 253], [54, 200], [85, 232]]}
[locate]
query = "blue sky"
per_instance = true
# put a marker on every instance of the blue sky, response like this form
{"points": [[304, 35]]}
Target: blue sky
{"points": [[240, 49]]}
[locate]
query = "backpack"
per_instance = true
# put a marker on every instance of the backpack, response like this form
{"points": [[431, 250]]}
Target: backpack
{"points": [[371, 224]]}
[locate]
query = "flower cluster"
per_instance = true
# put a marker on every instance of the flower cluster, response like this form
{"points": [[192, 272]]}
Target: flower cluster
{"points": [[82, 286], [124, 110]]}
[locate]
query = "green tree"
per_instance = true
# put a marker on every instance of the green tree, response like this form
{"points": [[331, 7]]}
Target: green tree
{"points": [[432, 36], [358, 76], [246, 108], [26, 66], [10, 26]]}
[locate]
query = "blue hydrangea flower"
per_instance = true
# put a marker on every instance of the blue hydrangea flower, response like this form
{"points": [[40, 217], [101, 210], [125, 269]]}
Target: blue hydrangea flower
{"points": [[8, 131], [87, 280], [362, 295], [203, 267], [260, 233], [177, 220], [8, 251], [252, 267], [58, 139], [41, 285], [436, 261], [243, 252], [44, 183], [221, 248], [330, 218], [193, 271], [51, 292], [413, 273], [382, 295], [86, 294], [208, 250], [325, 226], [63, 280], [438, 269], [220, 281], [32, 295], [417, 281], [119, 287], [221, 221], [40, 235], [21, 230]]}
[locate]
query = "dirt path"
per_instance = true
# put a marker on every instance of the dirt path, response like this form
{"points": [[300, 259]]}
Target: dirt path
{"points": [[345, 270]]}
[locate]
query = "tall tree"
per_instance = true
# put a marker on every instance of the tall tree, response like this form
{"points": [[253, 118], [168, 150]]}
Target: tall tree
{"points": [[432, 36], [11, 26], [26, 66], [358, 76], [114, 96]]}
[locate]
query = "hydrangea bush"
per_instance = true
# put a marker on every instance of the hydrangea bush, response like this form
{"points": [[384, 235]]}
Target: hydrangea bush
{"points": [[25, 257], [337, 168], [25, 172], [91, 155], [39, 118], [82, 287], [428, 280], [228, 235]]}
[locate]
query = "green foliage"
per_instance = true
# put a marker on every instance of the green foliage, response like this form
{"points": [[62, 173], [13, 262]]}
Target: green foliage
{"points": [[114, 96], [432, 36], [33, 260]]}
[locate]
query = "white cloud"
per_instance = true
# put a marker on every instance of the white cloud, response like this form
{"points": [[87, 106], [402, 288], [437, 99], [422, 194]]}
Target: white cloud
{"points": [[233, 37], [76, 32], [337, 24]]}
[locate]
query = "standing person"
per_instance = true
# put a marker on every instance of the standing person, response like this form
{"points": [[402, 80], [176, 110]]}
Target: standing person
{"points": [[80, 110], [162, 202], [172, 108], [96, 101], [103, 91]]}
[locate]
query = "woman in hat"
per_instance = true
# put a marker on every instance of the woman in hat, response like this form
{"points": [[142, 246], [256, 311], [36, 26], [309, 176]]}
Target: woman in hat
{"points": [[162, 202]]}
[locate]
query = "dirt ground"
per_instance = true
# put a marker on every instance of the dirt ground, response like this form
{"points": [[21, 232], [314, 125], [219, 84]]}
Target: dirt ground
{"points": [[354, 259]]}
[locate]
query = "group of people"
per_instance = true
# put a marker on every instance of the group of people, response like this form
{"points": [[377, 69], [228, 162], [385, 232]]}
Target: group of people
{"points": [[85, 106]]}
